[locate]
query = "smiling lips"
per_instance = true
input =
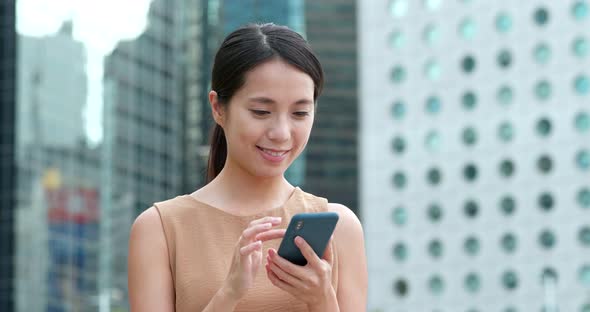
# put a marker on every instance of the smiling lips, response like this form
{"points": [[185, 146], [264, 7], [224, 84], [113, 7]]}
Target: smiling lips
{"points": [[272, 155]]}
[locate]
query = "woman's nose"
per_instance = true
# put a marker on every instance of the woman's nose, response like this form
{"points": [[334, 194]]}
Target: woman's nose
{"points": [[280, 130]]}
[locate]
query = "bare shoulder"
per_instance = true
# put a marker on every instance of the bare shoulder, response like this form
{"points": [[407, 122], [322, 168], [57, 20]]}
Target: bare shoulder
{"points": [[147, 223], [348, 220], [348, 235], [350, 244], [149, 276]]}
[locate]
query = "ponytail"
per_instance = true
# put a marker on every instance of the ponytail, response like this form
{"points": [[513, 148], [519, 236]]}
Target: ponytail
{"points": [[217, 153]]}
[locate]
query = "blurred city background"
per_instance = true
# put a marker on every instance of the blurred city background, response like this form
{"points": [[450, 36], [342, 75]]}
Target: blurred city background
{"points": [[457, 130]]}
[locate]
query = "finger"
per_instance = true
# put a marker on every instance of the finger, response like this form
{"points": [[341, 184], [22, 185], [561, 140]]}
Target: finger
{"points": [[252, 231], [272, 220], [307, 252], [285, 264], [270, 235], [246, 250], [275, 280], [286, 277]]}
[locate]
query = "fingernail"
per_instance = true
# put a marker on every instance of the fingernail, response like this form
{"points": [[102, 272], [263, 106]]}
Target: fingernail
{"points": [[298, 240], [271, 253]]}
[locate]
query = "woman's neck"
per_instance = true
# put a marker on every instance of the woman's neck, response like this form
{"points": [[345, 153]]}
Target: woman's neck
{"points": [[237, 191]]}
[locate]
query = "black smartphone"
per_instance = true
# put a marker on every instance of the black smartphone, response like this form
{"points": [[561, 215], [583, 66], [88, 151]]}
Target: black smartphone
{"points": [[315, 228]]}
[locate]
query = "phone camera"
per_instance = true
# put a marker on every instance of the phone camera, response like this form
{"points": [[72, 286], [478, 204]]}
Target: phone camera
{"points": [[299, 225]]}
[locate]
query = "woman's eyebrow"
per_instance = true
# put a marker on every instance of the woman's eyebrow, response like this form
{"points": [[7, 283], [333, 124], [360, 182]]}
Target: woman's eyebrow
{"points": [[269, 101]]}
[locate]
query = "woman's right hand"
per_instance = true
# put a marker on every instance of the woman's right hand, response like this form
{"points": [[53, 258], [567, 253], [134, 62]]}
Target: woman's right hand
{"points": [[247, 257]]}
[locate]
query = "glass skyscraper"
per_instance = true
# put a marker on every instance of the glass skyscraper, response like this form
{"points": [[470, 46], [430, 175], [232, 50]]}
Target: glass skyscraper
{"points": [[475, 154], [91, 136], [332, 167]]}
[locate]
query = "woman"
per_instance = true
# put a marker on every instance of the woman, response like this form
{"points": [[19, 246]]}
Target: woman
{"points": [[205, 251]]}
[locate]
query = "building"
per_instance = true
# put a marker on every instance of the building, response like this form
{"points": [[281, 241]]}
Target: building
{"points": [[475, 154], [332, 161], [64, 197], [7, 152], [141, 148]]}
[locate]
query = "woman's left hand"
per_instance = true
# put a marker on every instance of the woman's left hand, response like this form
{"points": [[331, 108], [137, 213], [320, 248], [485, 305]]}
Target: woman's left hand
{"points": [[311, 283]]}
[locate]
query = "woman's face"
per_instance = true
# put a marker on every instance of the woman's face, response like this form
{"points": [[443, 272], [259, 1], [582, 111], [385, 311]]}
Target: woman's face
{"points": [[268, 120]]}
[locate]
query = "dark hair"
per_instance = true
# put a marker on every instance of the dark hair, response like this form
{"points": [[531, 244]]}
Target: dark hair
{"points": [[241, 51]]}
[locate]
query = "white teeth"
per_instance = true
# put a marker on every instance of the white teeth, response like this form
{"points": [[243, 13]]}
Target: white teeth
{"points": [[275, 154]]}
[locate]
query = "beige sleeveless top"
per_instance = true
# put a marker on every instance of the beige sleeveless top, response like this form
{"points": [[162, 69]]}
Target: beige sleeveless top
{"points": [[201, 241]]}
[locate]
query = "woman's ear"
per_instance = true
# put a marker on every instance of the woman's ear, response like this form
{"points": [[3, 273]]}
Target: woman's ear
{"points": [[217, 109]]}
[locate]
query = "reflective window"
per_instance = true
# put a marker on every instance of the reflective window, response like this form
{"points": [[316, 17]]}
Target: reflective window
{"points": [[472, 282], [436, 285], [435, 248], [584, 275], [547, 239], [469, 100], [543, 90], [542, 53], [541, 16], [583, 197], [468, 64], [470, 172], [398, 110], [431, 34], [546, 201], [582, 122], [582, 85], [471, 246], [506, 168], [400, 252], [543, 127], [508, 242], [503, 22], [399, 180], [398, 74], [398, 145], [584, 236], [544, 164], [580, 47], [504, 95], [397, 39], [504, 59], [580, 10], [434, 176], [401, 287], [507, 205], [509, 280], [432, 70], [505, 131], [471, 208], [469, 136], [467, 28], [399, 216], [435, 212], [432, 141], [398, 8], [433, 105]]}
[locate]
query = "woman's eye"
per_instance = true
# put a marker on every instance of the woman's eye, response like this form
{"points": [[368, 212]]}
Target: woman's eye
{"points": [[259, 112], [301, 114]]}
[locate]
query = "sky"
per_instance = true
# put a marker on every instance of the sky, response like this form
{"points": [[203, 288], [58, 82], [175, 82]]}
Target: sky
{"points": [[100, 25]]}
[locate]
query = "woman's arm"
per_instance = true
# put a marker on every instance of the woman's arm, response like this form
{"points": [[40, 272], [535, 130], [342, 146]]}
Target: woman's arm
{"points": [[352, 261], [149, 277]]}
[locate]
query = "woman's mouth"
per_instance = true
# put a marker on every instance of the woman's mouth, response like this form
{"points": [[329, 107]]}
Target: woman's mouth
{"points": [[272, 155]]}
